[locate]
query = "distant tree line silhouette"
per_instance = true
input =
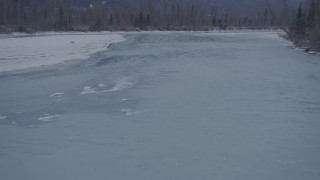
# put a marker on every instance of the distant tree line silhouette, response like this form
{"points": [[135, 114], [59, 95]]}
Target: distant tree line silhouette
{"points": [[168, 14], [307, 21]]}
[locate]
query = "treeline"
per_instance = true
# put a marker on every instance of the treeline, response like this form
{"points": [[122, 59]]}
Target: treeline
{"points": [[307, 19], [109, 14], [305, 29], [135, 14]]}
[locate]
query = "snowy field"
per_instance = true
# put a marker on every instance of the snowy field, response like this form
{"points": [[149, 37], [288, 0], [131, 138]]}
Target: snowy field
{"points": [[22, 51], [159, 106]]}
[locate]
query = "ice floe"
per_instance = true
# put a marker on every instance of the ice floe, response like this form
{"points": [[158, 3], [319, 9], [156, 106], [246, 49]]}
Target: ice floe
{"points": [[129, 112], [102, 85], [57, 94], [120, 84], [314, 53], [49, 118], [88, 90]]}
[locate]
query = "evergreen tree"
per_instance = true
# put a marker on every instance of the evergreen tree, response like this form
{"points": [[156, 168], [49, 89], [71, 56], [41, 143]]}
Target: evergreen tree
{"points": [[148, 21], [61, 21], [214, 21], [141, 20], [300, 24], [111, 20]]}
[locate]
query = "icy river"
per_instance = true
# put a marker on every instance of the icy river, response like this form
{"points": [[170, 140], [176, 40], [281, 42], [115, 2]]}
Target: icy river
{"points": [[166, 106]]}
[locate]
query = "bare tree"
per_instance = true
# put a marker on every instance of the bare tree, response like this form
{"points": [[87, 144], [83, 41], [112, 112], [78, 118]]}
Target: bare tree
{"points": [[4, 11], [276, 18], [317, 15]]}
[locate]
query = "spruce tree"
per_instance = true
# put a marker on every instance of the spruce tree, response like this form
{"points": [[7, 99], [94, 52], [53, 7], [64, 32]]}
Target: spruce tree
{"points": [[300, 24], [61, 20], [111, 20], [141, 20]]}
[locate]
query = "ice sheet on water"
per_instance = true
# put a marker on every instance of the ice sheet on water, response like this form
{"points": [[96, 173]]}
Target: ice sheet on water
{"points": [[123, 83], [88, 90], [49, 118], [129, 112], [102, 85], [21, 52], [120, 84], [314, 53], [2, 117], [57, 94]]}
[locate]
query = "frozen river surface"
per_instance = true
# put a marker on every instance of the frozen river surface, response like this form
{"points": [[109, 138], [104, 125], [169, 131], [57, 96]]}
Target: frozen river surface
{"points": [[167, 106]]}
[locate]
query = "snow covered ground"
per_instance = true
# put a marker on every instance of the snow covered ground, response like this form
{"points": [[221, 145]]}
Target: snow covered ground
{"points": [[22, 51]]}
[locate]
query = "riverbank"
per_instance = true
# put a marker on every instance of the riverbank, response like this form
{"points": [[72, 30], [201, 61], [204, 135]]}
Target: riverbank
{"points": [[82, 28], [307, 43]]}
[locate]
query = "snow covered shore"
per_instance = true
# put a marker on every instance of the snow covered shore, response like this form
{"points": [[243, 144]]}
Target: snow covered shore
{"points": [[22, 51]]}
